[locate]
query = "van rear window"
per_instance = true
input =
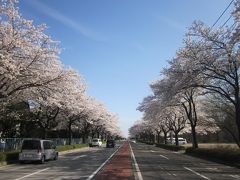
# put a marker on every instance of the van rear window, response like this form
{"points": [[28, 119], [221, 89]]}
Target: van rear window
{"points": [[31, 144]]}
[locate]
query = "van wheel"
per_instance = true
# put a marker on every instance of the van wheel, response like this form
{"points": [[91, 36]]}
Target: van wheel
{"points": [[56, 157], [42, 160], [22, 162]]}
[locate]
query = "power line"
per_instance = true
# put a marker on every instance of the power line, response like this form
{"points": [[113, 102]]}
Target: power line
{"points": [[222, 14], [226, 21]]}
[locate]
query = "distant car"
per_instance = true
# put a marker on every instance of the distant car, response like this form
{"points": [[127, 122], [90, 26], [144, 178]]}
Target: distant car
{"points": [[133, 140], [95, 142], [181, 141], [38, 150], [110, 143]]}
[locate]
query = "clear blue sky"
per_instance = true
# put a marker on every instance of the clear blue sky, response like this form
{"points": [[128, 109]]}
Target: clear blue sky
{"points": [[119, 46]]}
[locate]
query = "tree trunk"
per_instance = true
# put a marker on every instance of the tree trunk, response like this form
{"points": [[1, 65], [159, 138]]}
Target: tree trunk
{"points": [[176, 138], [158, 137], [194, 137], [237, 112], [165, 137], [84, 139], [70, 133]]}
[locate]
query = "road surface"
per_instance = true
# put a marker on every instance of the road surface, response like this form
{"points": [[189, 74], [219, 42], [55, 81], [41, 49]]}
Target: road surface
{"points": [[138, 161], [75, 165], [157, 163]]}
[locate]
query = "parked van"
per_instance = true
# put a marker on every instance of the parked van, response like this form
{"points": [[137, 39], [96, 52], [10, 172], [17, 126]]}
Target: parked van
{"points": [[181, 141], [38, 150], [95, 142]]}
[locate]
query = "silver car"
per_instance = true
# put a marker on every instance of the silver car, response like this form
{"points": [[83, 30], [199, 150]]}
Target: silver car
{"points": [[38, 150]]}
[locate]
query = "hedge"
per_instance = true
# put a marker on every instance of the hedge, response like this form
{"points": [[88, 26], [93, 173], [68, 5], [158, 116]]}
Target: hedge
{"points": [[223, 154], [70, 147], [146, 142], [171, 147], [9, 156]]}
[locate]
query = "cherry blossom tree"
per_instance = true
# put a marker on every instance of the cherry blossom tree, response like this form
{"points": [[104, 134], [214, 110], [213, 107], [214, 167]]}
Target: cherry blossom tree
{"points": [[176, 121], [213, 57], [31, 71], [170, 90], [28, 57]]}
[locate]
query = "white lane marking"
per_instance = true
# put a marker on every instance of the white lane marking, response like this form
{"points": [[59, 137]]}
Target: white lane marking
{"points": [[100, 167], [136, 164], [79, 157], [152, 151], [197, 173], [213, 169], [164, 157], [235, 176], [70, 177], [32, 173]]}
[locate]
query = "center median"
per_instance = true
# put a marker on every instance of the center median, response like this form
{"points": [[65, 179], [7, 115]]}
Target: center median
{"points": [[119, 166]]}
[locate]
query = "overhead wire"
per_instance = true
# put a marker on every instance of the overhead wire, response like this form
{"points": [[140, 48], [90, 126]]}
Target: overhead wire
{"points": [[222, 14]]}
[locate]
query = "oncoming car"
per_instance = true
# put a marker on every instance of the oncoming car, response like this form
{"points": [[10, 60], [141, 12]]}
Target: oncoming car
{"points": [[181, 141], [95, 142], [37, 150]]}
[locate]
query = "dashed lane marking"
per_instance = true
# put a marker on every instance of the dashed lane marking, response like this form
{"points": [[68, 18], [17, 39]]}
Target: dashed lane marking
{"points": [[235, 176], [164, 157], [204, 177], [75, 158], [32, 174]]}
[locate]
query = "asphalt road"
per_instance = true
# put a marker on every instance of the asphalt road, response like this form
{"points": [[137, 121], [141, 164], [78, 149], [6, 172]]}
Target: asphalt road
{"points": [[75, 165], [156, 163]]}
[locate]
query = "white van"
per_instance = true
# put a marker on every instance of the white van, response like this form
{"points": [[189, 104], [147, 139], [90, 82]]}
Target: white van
{"points": [[38, 150], [181, 141], [96, 142]]}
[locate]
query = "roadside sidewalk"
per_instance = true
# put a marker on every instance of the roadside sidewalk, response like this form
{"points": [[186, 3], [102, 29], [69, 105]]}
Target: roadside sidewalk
{"points": [[119, 167]]}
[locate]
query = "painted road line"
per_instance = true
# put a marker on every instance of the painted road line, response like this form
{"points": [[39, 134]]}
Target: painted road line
{"points": [[197, 173], [32, 174], [139, 175], [79, 157], [235, 176], [70, 177], [100, 167], [164, 157]]}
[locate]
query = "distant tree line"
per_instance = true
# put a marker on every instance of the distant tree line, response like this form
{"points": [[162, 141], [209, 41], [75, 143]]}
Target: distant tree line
{"points": [[39, 96], [198, 93]]}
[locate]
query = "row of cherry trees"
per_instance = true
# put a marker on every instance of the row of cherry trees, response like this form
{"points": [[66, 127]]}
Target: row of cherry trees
{"points": [[199, 91], [31, 73]]}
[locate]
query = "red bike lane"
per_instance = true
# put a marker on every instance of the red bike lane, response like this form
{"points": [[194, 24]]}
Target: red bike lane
{"points": [[119, 167]]}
